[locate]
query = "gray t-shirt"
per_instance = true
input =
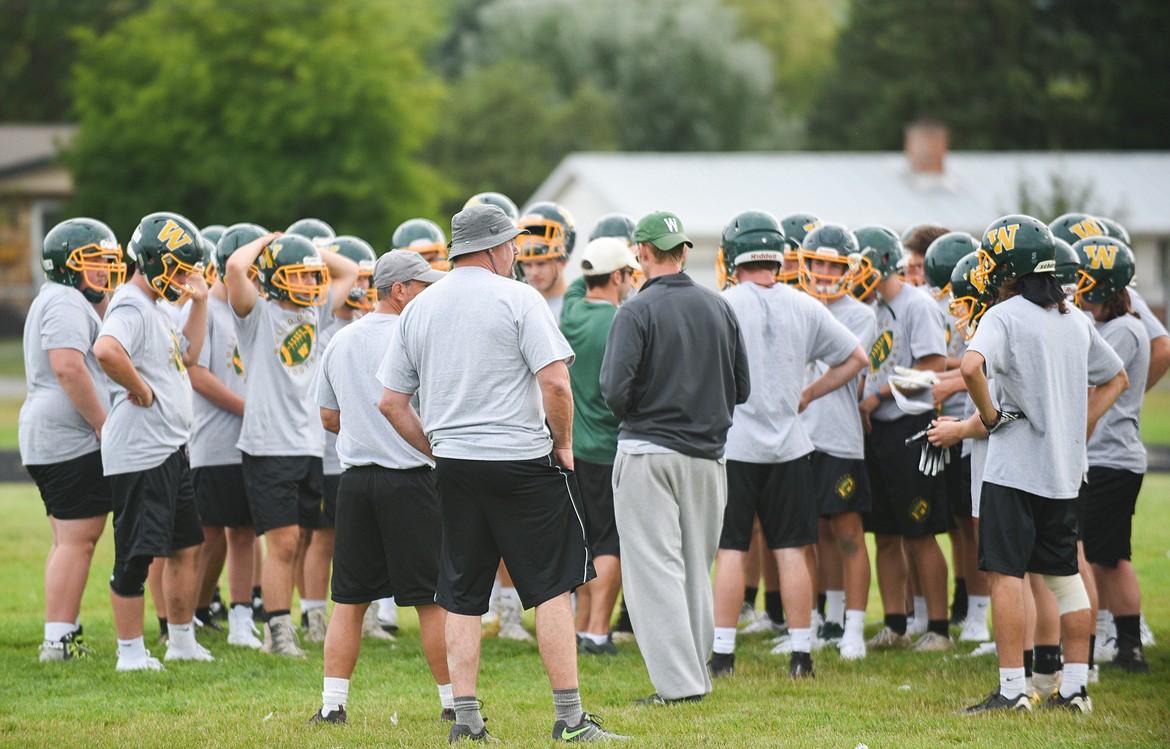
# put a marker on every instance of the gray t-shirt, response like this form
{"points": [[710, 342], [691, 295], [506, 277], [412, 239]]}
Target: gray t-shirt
{"points": [[216, 431], [1154, 327], [50, 429], [783, 332], [347, 382], [1117, 440], [331, 463], [1043, 363], [281, 353], [833, 422], [471, 347], [909, 327], [136, 438]]}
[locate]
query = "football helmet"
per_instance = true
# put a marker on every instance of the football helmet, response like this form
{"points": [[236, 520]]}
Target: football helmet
{"points": [[941, 257], [423, 236], [165, 245], [1014, 246], [1114, 229], [967, 302], [314, 229], [291, 270], [208, 261], [1068, 268], [1073, 227], [497, 199], [831, 243], [794, 227], [1107, 267], [78, 246], [359, 251], [909, 232], [614, 225], [749, 237], [878, 259], [232, 239], [212, 233], [551, 233]]}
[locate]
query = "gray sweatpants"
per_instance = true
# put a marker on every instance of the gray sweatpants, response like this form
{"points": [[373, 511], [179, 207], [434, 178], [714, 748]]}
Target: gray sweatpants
{"points": [[669, 511]]}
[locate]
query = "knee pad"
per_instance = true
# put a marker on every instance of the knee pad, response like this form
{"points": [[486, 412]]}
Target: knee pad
{"points": [[128, 578], [1069, 591]]}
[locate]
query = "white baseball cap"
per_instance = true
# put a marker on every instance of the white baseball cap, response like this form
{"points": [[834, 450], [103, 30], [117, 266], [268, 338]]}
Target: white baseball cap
{"points": [[604, 255]]}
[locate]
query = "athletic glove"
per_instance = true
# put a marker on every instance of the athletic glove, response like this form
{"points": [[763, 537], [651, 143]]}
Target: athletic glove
{"points": [[932, 460], [1001, 418]]}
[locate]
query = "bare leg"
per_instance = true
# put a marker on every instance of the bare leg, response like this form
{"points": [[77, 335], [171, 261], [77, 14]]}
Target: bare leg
{"points": [[850, 539], [240, 544], [605, 592], [891, 574], [318, 559], [463, 634], [155, 582], [558, 646], [431, 624], [67, 568], [211, 559], [180, 580], [729, 566], [343, 640], [931, 565], [277, 579], [796, 589], [1007, 617]]}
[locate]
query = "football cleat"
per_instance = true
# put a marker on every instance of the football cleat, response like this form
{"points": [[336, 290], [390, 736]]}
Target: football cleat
{"points": [[589, 729]]}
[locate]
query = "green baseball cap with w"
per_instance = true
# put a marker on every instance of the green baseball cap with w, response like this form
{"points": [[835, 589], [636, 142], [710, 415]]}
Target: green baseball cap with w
{"points": [[663, 229]]}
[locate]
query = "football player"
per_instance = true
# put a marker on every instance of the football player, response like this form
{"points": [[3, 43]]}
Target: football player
{"points": [[545, 250]]}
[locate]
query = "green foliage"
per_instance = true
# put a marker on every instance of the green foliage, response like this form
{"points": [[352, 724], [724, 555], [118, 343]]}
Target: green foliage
{"points": [[266, 113], [1063, 194]]}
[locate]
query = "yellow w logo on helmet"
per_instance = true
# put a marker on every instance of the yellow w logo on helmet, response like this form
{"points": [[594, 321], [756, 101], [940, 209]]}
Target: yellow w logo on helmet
{"points": [[1002, 238], [174, 235], [1087, 228], [1101, 255]]}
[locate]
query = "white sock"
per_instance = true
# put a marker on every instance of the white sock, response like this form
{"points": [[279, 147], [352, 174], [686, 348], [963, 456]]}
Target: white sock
{"points": [[801, 640], [724, 640], [181, 635], [308, 605], [509, 595], [977, 608], [1076, 676], [1103, 617], [388, 611], [494, 599], [335, 693], [132, 649], [582, 634], [854, 625], [834, 606], [597, 639], [920, 609], [446, 695], [54, 631], [1011, 682]]}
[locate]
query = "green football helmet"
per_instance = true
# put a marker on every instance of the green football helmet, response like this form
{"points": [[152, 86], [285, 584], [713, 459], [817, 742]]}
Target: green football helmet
{"points": [[1114, 229], [968, 303], [1014, 246], [749, 237], [941, 257], [208, 261], [551, 233], [313, 229], [1073, 227], [212, 232], [1107, 267], [363, 295], [831, 243], [504, 203], [167, 247], [881, 252], [291, 270], [614, 225], [79, 246], [423, 236], [794, 227], [233, 238], [1068, 267]]}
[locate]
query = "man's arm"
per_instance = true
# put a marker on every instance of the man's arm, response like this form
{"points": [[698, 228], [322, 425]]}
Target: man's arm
{"points": [[972, 370], [1102, 397], [68, 366], [214, 391], [558, 409], [619, 366], [331, 420], [1159, 360], [241, 293], [343, 274], [396, 408], [195, 331], [833, 378], [116, 363]]}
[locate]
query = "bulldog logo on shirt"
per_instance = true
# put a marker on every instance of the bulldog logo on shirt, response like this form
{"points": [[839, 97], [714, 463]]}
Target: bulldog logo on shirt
{"points": [[880, 351], [298, 344]]}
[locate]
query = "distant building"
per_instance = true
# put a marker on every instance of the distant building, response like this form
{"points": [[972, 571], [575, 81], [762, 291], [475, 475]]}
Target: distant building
{"points": [[960, 190]]}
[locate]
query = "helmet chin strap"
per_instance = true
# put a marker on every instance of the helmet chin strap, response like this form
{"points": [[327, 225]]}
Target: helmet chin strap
{"points": [[92, 295]]}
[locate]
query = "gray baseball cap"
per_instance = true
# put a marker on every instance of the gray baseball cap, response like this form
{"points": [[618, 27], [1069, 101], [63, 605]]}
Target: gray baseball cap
{"points": [[400, 266], [480, 227]]}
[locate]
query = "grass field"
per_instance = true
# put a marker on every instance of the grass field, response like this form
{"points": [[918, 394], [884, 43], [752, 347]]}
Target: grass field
{"points": [[244, 699]]}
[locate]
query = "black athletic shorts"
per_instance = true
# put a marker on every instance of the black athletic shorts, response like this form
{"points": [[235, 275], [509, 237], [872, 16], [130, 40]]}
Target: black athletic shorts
{"points": [[780, 494], [387, 536], [73, 489], [906, 502], [596, 483], [1108, 500], [1022, 532], [957, 477], [526, 511], [219, 494], [283, 490], [329, 484], [841, 484], [154, 510]]}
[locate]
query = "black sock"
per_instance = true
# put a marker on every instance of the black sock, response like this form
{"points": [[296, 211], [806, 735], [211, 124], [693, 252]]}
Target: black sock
{"points": [[938, 626], [959, 604], [774, 606], [623, 624], [203, 615], [1028, 664], [215, 596], [896, 622], [256, 592], [749, 596], [1092, 649], [1129, 631], [822, 601], [162, 626], [269, 616], [241, 603], [1047, 659]]}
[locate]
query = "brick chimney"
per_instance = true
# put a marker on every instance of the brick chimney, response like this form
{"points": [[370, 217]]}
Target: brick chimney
{"points": [[925, 144]]}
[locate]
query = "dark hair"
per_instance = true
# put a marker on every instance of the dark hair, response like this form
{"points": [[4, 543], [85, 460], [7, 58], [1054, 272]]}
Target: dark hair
{"points": [[922, 237], [1041, 289], [771, 265], [597, 281], [384, 292], [1117, 305]]}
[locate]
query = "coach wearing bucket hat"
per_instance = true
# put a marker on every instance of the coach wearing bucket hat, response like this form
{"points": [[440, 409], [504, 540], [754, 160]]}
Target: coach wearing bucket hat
{"points": [[673, 343], [490, 367]]}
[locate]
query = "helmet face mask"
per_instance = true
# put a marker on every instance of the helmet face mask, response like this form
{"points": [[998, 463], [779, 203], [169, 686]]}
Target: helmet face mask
{"points": [[795, 227], [865, 277], [1106, 268], [167, 248], [968, 302], [551, 236], [291, 270], [827, 243], [85, 254], [362, 296], [881, 252], [1013, 246]]}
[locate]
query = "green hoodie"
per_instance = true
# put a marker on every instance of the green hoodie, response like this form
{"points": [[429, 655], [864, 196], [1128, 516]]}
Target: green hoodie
{"points": [[586, 326]]}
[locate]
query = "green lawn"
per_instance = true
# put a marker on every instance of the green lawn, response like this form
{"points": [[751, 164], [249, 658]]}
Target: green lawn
{"points": [[1156, 416], [12, 358], [888, 700]]}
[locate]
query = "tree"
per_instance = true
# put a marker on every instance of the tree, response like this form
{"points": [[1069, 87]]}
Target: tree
{"points": [[266, 113]]}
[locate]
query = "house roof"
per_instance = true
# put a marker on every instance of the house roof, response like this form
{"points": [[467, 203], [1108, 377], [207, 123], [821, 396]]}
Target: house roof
{"points": [[856, 189], [25, 148]]}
